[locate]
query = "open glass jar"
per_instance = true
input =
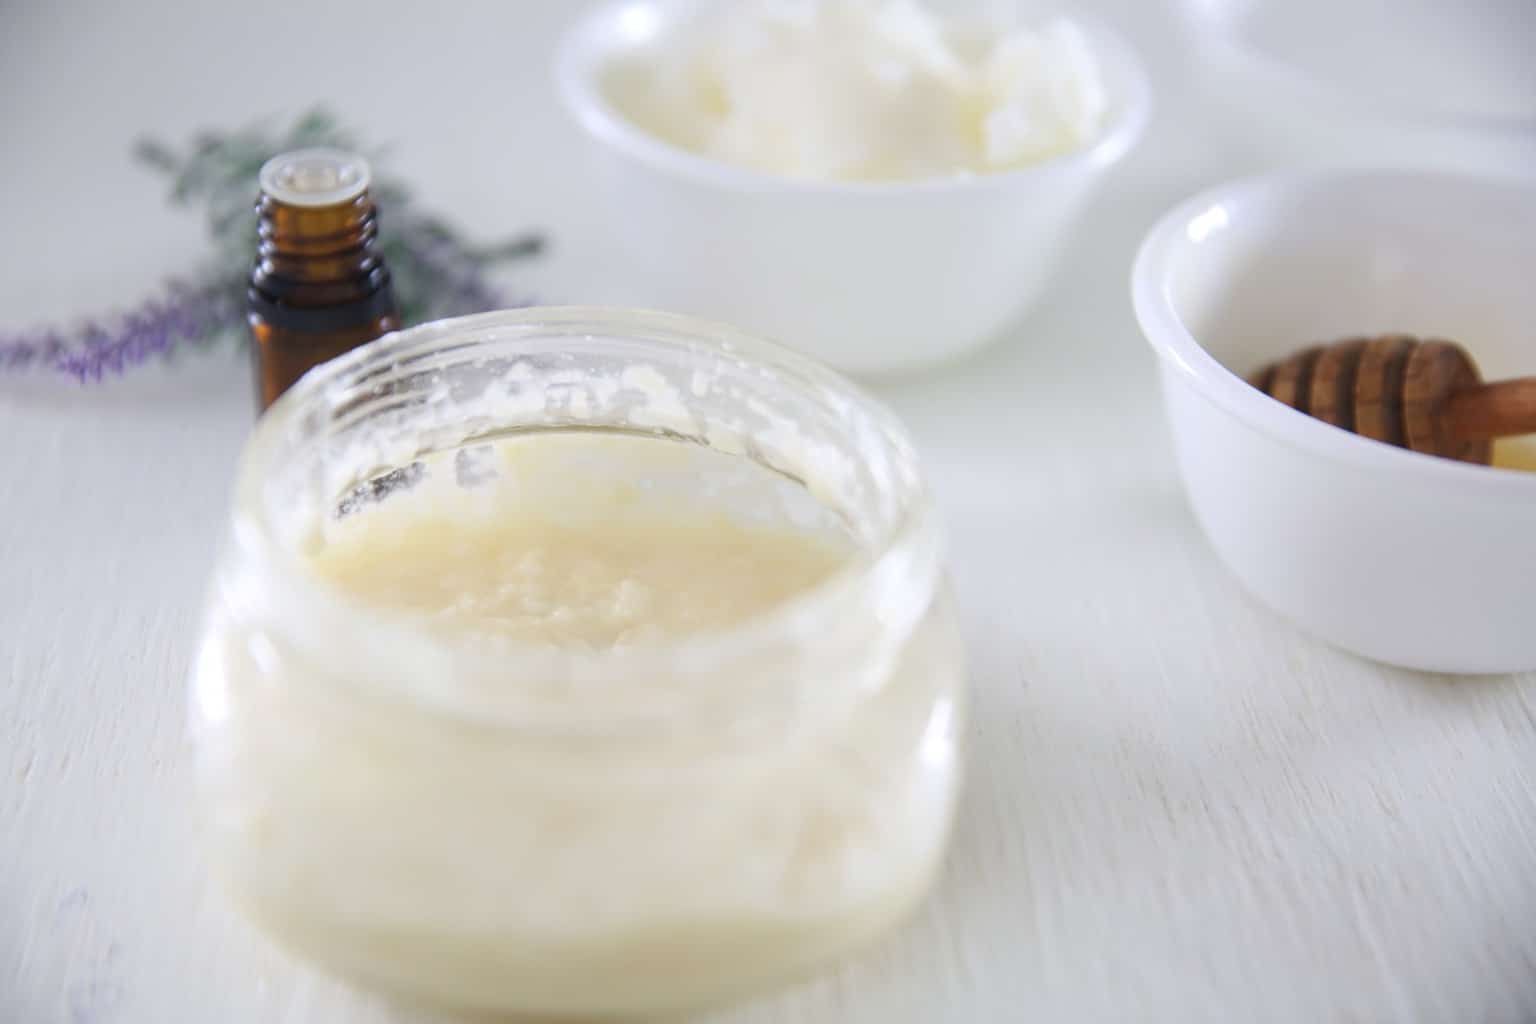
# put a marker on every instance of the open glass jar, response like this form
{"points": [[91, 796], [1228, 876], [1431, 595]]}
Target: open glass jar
{"points": [[516, 827]]}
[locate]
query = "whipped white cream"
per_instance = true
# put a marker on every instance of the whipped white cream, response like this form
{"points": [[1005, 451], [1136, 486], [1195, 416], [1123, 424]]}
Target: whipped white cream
{"points": [[864, 90]]}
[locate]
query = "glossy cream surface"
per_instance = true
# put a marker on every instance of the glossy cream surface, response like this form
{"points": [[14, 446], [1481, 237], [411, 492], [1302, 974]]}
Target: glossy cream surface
{"points": [[631, 576], [508, 865]]}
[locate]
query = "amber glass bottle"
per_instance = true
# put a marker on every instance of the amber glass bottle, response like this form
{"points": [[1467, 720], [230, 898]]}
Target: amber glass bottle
{"points": [[320, 286]]}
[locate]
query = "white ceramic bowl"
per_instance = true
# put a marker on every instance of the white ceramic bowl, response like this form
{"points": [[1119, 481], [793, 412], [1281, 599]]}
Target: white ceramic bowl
{"points": [[1404, 558], [1423, 84], [868, 277]]}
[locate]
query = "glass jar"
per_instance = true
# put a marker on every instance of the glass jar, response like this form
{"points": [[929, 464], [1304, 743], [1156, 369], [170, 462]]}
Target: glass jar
{"points": [[523, 829]]}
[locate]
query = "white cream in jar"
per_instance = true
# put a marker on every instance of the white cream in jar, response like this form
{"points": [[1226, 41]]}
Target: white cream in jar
{"points": [[564, 543], [557, 720], [864, 90]]}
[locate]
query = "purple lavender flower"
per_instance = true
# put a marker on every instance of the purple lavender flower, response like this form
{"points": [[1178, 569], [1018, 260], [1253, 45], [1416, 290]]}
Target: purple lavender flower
{"points": [[183, 314], [24, 350]]}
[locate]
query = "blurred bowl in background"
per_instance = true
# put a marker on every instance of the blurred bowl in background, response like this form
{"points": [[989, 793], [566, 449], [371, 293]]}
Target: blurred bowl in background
{"points": [[1406, 83], [869, 277], [1401, 557]]}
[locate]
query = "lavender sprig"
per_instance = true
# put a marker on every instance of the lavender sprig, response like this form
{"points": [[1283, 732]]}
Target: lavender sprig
{"points": [[184, 314], [436, 274]]}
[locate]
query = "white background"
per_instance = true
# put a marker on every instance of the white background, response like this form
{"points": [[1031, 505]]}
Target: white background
{"points": [[1179, 809]]}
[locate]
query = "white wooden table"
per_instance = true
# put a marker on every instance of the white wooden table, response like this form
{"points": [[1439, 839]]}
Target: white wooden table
{"points": [[1180, 808]]}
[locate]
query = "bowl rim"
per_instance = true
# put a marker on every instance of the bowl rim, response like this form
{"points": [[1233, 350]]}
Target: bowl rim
{"points": [[590, 44], [1218, 35], [1180, 352]]}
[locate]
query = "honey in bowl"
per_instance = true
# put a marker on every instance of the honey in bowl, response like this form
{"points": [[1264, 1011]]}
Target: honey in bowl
{"points": [[1515, 453]]}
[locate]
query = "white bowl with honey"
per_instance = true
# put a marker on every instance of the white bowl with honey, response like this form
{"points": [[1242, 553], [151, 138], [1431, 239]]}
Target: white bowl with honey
{"points": [[1400, 556]]}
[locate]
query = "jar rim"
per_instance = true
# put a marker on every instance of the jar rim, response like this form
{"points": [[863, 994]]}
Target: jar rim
{"points": [[897, 573]]}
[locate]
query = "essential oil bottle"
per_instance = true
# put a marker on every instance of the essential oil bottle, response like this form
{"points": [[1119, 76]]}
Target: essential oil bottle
{"points": [[320, 286]]}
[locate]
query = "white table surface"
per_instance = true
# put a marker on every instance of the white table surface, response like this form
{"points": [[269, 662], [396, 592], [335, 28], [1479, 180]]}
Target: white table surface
{"points": [[1180, 808]]}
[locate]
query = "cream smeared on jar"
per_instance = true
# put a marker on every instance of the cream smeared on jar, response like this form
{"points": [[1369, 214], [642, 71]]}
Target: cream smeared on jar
{"points": [[864, 90]]}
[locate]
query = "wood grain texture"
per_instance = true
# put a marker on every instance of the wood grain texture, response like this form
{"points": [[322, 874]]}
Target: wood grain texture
{"points": [[1437, 372], [1179, 808], [1505, 408]]}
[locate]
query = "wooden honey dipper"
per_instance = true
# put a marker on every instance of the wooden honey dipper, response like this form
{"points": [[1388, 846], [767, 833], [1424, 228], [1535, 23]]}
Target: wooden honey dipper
{"points": [[1427, 396]]}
